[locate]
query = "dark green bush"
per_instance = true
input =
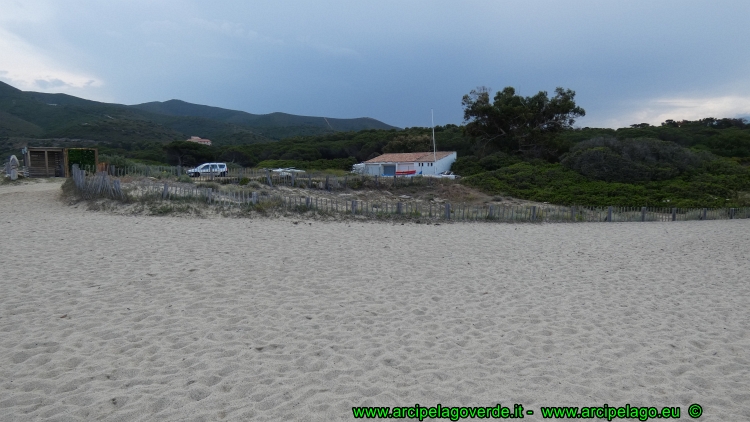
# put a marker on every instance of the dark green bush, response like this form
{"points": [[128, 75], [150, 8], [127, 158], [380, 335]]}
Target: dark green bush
{"points": [[557, 184], [632, 160], [81, 156]]}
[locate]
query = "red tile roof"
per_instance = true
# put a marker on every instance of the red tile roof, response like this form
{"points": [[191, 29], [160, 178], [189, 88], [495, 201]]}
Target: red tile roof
{"points": [[198, 140], [410, 157]]}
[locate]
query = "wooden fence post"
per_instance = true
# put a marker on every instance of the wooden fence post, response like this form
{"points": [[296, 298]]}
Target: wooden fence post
{"points": [[674, 214], [731, 213], [533, 212], [165, 192], [609, 214], [705, 211], [399, 208], [268, 178], [328, 186], [447, 211], [573, 214], [118, 189]]}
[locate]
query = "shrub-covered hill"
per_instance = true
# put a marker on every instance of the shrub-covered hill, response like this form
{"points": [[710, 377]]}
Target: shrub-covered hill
{"points": [[45, 116], [629, 172]]}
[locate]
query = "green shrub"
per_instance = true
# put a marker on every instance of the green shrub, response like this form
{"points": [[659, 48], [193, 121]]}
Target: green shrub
{"points": [[81, 156], [212, 185], [467, 166], [161, 209], [557, 184], [632, 160]]}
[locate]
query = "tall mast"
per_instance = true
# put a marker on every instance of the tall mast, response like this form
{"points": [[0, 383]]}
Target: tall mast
{"points": [[434, 147]]}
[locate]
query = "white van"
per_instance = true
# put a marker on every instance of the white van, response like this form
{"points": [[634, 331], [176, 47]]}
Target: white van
{"points": [[208, 169]]}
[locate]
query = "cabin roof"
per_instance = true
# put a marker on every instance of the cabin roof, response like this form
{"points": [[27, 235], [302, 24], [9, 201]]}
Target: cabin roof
{"points": [[410, 157]]}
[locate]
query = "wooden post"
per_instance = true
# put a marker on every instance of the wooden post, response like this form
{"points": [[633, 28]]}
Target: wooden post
{"points": [[309, 181], [643, 214], [609, 214], [294, 179], [573, 214], [533, 212], [165, 192], [447, 211], [674, 214], [118, 189], [268, 178], [399, 208], [354, 207], [704, 213], [731, 213]]}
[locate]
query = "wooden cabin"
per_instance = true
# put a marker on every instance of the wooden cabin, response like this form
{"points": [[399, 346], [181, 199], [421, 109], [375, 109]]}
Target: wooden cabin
{"points": [[51, 161]]}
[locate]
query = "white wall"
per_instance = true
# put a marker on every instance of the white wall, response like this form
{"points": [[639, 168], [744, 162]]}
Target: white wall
{"points": [[440, 166], [444, 164]]}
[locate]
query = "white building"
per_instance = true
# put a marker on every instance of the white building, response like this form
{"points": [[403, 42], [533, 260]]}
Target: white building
{"points": [[199, 140], [410, 163]]}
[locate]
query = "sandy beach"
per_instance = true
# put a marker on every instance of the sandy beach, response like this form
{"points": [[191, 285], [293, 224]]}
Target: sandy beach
{"points": [[122, 318]]}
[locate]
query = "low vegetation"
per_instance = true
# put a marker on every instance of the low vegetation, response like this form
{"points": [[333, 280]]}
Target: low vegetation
{"points": [[509, 145]]}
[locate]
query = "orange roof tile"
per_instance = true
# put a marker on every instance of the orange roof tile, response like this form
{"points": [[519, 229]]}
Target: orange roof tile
{"points": [[410, 157]]}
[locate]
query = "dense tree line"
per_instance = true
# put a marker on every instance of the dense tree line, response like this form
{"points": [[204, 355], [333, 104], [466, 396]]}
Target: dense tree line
{"points": [[340, 149]]}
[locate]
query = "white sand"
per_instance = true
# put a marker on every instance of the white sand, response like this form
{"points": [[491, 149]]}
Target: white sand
{"points": [[209, 319]]}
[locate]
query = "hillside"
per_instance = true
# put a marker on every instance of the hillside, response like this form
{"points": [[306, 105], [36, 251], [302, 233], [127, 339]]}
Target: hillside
{"points": [[273, 125], [47, 117]]}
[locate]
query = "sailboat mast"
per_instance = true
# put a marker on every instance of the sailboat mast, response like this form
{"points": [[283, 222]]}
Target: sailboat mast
{"points": [[434, 147]]}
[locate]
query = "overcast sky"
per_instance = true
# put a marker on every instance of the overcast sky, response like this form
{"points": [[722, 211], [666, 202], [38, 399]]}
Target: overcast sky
{"points": [[628, 61]]}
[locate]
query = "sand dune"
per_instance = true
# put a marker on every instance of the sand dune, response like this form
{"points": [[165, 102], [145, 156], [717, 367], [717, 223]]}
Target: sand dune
{"points": [[110, 317]]}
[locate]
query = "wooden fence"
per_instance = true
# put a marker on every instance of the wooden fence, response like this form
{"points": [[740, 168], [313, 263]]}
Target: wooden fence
{"points": [[99, 185], [102, 185]]}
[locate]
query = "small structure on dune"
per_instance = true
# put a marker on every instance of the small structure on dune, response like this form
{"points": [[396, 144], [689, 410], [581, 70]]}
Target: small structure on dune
{"points": [[410, 163], [45, 161]]}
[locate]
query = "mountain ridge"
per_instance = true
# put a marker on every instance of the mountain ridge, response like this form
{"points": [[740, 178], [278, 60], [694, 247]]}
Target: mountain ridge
{"points": [[37, 115]]}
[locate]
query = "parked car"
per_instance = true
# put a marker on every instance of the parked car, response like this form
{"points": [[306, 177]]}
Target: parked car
{"points": [[445, 175], [207, 169], [358, 168], [287, 171]]}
